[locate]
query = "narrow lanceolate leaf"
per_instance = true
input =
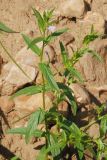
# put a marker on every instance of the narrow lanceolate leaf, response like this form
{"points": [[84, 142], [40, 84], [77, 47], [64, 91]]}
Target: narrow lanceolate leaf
{"points": [[21, 131], [68, 92], [40, 20], [4, 28], [34, 41], [35, 119], [96, 55], [103, 126], [53, 141], [90, 38], [31, 90], [34, 48], [80, 148], [63, 53], [58, 32], [28, 91], [75, 73], [48, 76]]}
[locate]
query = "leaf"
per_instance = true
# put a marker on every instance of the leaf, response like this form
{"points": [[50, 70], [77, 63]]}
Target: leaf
{"points": [[90, 38], [35, 119], [75, 73], [42, 154], [21, 131], [54, 35], [59, 32], [4, 28], [75, 132], [36, 40], [31, 90], [80, 148], [28, 91], [103, 126], [15, 158], [68, 92], [96, 55], [49, 76], [53, 141], [63, 53], [34, 48], [40, 20]]}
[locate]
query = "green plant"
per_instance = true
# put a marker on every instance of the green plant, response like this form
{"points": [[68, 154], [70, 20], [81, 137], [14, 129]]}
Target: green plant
{"points": [[68, 134]]}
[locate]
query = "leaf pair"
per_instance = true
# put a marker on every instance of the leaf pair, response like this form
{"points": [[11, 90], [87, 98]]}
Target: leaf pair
{"points": [[31, 129]]}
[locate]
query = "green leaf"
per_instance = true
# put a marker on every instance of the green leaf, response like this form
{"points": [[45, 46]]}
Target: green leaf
{"points": [[48, 76], [53, 144], [80, 148], [58, 32], [35, 119], [34, 48], [63, 53], [21, 131], [40, 20], [31, 90], [90, 38], [103, 126], [15, 158], [54, 35], [4, 28], [96, 55], [75, 73], [75, 132], [28, 91], [36, 40], [68, 92], [42, 154]]}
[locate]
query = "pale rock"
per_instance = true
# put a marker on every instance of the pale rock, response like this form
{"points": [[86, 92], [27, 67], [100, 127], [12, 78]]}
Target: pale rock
{"points": [[80, 93], [6, 104], [17, 78], [27, 104], [7, 89], [101, 7], [71, 8], [63, 108], [0, 63], [95, 19], [94, 131], [28, 57]]}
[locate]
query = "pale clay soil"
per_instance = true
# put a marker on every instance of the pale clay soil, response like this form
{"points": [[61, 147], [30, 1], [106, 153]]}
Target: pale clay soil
{"points": [[18, 15]]}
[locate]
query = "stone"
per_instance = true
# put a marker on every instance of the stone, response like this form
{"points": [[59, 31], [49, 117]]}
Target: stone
{"points": [[28, 57], [17, 78], [94, 131], [63, 108], [80, 93], [71, 8], [27, 104], [6, 104], [7, 89], [95, 19], [100, 7], [0, 63]]}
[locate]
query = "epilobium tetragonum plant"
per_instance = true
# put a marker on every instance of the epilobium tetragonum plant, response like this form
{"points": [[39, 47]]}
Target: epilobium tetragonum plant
{"points": [[67, 135]]}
